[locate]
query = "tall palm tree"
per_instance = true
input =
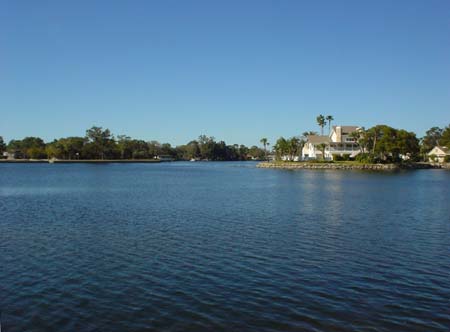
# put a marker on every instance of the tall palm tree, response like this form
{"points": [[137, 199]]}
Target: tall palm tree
{"points": [[329, 118], [294, 145], [264, 142], [321, 122]]}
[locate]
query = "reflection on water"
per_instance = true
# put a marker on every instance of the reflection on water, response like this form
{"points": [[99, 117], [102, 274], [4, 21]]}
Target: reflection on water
{"points": [[222, 246]]}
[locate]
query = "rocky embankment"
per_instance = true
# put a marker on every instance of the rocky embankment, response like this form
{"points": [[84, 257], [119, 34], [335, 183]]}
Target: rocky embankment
{"points": [[349, 166]]}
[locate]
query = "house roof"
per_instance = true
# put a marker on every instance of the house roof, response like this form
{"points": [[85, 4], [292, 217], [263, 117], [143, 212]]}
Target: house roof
{"points": [[347, 129], [444, 149], [318, 139]]}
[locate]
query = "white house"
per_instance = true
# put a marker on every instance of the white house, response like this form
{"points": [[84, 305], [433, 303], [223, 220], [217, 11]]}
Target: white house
{"points": [[338, 142], [9, 155], [438, 153]]}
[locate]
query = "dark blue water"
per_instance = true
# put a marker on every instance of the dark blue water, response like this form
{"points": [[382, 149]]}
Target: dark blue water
{"points": [[222, 247]]}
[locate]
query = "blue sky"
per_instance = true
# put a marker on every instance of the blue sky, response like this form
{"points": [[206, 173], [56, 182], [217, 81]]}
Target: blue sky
{"points": [[237, 70]]}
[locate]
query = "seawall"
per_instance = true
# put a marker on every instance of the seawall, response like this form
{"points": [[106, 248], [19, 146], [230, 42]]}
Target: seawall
{"points": [[349, 166]]}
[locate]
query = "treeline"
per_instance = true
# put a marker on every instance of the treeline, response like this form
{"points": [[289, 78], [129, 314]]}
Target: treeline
{"points": [[99, 143], [382, 143], [385, 143]]}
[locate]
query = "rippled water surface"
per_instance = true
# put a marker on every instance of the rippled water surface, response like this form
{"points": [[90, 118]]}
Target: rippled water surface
{"points": [[222, 247]]}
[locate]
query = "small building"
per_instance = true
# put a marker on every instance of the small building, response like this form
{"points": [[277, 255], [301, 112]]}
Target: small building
{"points": [[9, 155], [438, 153], [313, 148], [340, 142]]}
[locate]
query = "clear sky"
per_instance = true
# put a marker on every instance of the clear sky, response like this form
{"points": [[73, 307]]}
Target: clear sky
{"points": [[237, 70]]}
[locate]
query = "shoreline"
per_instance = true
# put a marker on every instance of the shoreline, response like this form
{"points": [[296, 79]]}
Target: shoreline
{"points": [[106, 161], [87, 161], [351, 166]]}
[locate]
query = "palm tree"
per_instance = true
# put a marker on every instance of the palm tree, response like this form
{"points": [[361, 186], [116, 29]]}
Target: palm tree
{"points": [[308, 133], [321, 122], [322, 147], [281, 148], [264, 142], [294, 145], [356, 136], [329, 118]]}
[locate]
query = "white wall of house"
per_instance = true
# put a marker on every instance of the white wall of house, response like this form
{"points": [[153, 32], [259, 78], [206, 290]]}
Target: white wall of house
{"points": [[336, 134], [314, 151], [440, 153]]}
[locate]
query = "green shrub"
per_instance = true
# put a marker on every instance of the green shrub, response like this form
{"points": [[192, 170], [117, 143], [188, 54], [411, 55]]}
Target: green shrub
{"points": [[344, 157], [447, 159], [365, 158]]}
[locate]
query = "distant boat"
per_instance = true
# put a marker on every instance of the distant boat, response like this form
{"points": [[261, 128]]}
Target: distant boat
{"points": [[193, 159]]}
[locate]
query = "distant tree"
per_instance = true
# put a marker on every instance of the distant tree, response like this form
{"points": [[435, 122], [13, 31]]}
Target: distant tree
{"points": [[101, 142], [124, 146], [445, 139], [329, 118], [66, 148], [294, 147], [407, 144], [53, 150], [233, 152], [257, 153], [2, 145], [139, 149], [389, 144], [28, 148], [382, 139], [371, 137], [193, 150], [154, 148], [207, 146], [243, 152], [430, 140], [219, 151], [321, 122], [281, 148], [264, 142], [357, 137], [167, 150]]}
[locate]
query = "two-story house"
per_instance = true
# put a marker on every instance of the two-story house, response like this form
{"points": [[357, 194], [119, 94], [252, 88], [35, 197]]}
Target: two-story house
{"points": [[338, 142]]}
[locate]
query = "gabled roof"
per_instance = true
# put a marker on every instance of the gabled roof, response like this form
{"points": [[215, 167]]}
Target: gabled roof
{"points": [[347, 129], [444, 149], [318, 139]]}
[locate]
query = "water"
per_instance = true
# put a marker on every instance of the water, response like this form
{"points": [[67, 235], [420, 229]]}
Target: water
{"points": [[222, 247]]}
